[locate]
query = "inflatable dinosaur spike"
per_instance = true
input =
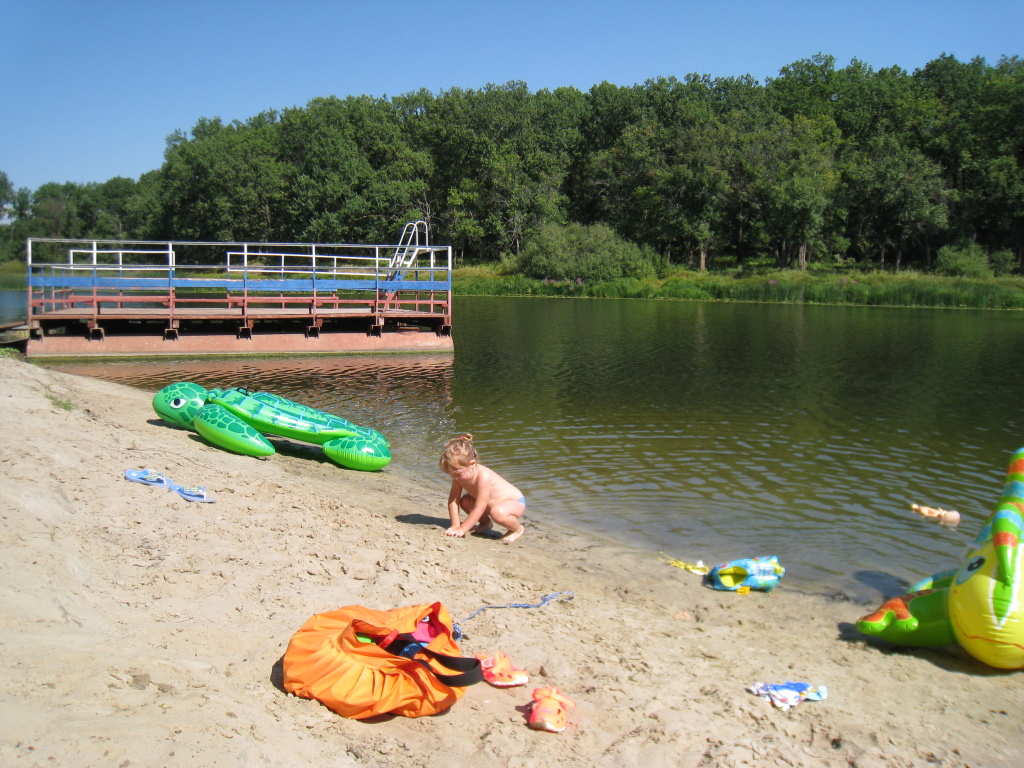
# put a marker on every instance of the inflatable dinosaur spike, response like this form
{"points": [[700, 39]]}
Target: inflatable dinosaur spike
{"points": [[978, 605], [236, 420]]}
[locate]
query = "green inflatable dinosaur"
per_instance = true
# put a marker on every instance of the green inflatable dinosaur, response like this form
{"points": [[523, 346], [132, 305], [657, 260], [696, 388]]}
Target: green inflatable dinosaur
{"points": [[977, 605]]}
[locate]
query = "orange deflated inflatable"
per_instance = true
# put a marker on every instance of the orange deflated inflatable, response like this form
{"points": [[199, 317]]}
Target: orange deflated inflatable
{"points": [[360, 662]]}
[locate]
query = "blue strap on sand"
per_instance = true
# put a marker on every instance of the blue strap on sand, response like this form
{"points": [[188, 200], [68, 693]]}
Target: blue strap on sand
{"points": [[457, 629]]}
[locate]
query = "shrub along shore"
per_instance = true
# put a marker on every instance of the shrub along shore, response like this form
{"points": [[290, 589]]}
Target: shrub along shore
{"points": [[894, 289], [899, 289]]}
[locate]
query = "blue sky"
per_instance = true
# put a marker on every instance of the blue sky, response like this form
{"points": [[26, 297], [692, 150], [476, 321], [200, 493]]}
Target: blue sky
{"points": [[91, 90]]}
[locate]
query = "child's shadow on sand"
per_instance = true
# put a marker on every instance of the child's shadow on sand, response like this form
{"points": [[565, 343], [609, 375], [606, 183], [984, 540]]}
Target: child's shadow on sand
{"points": [[415, 518]]}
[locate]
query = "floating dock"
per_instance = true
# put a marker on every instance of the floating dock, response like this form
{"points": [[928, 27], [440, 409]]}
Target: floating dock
{"points": [[89, 298]]}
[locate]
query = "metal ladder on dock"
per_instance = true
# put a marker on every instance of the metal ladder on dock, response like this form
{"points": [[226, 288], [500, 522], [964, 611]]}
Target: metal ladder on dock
{"points": [[407, 248], [405, 254]]}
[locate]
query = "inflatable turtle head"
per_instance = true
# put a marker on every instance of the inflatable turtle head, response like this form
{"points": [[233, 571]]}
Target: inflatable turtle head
{"points": [[180, 402]]}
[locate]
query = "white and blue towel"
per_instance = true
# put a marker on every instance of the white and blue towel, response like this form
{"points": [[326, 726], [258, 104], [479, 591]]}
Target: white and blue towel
{"points": [[789, 694]]}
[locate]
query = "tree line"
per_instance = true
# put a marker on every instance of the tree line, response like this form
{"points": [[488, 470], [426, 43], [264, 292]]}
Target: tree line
{"points": [[820, 165]]}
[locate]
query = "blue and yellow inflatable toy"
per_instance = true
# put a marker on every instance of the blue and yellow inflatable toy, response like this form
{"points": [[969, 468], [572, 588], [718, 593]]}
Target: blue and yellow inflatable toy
{"points": [[977, 605], [754, 572], [236, 419]]}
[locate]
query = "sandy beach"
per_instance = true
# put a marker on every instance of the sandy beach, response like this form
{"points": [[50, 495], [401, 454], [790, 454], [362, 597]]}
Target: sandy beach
{"points": [[141, 629]]}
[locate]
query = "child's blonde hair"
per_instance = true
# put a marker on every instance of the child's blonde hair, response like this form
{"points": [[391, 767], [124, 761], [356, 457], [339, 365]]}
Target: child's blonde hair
{"points": [[458, 453]]}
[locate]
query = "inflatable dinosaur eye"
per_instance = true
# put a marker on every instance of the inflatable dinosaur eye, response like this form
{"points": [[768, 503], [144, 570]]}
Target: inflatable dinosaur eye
{"points": [[971, 568]]}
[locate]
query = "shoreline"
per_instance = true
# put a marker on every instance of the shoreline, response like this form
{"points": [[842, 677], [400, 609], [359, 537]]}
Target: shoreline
{"points": [[141, 629]]}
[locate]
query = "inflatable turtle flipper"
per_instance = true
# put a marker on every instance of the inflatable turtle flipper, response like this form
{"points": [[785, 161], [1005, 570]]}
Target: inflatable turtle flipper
{"points": [[225, 430], [367, 454]]}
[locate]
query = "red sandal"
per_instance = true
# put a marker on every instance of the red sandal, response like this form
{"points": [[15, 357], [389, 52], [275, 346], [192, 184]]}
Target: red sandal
{"points": [[499, 672], [550, 710]]}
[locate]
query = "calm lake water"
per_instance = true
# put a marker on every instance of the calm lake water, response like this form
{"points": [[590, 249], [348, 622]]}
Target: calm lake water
{"points": [[12, 306], [705, 431]]}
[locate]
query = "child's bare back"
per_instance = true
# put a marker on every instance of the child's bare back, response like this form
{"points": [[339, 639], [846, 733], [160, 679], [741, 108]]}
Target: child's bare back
{"points": [[484, 495]]}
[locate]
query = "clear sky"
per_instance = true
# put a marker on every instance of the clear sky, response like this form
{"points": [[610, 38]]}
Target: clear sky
{"points": [[91, 90]]}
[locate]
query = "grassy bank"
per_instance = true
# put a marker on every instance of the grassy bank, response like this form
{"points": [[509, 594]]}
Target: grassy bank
{"points": [[12, 275], [901, 289]]}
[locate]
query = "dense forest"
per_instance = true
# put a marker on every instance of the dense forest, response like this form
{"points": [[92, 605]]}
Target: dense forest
{"points": [[817, 167]]}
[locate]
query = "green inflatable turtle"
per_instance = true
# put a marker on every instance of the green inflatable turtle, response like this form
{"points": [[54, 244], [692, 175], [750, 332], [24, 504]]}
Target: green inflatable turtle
{"points": [[236, 419]]}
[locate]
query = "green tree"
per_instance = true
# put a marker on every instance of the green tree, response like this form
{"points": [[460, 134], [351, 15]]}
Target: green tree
{"points": [[6, 196], [8, 219], [224, 182], [141, 214], [977, 113], [808, 88], [352, 175], [888, 101], [893, 195], [665, 187], [71, 210], [502, 161], [16, 222], [1000, 158], [783, 174], [807, 180]]}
